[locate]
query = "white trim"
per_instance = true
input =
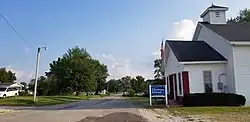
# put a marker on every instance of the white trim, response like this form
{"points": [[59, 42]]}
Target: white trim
{"points": [[241, 43], [180, 81], [203, 62]]}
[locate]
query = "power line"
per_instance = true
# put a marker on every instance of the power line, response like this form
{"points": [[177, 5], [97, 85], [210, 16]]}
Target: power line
{"points": [[18, 34]]}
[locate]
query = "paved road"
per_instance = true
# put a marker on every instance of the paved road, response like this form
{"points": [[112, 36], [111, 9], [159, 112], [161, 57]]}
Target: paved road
{"points": [[73, 112]]}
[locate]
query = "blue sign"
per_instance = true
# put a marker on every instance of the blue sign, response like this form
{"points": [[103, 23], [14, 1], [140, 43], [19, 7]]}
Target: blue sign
{"points": [[158, 90]]}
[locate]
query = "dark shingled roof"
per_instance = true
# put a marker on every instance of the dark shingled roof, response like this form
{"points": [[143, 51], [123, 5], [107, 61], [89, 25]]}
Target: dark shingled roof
{"points": [[214, 6], [188, 51], [231, 32]]}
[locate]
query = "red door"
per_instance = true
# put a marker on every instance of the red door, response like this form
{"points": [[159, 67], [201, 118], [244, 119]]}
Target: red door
{"points": [[185, 79]]}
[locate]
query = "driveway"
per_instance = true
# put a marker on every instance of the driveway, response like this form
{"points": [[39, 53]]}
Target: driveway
{"points": [[94, 110]]}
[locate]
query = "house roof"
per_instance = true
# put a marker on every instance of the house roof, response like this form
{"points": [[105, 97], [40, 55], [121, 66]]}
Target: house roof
{"points": [[231, 32], [9, 84], [215, 6], [188, 51]]}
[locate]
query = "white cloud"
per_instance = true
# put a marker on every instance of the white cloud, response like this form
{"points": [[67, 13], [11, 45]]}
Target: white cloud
{"points": [[183, 30], [19, 73], [156, 54], [119, 68]]}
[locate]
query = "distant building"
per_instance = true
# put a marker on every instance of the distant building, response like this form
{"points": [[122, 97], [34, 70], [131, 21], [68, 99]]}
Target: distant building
{"points": [[17, 85]]}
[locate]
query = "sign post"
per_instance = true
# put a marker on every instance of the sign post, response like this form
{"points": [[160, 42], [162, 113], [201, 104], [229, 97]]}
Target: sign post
{"points": [[157, 91], [150, 100]]}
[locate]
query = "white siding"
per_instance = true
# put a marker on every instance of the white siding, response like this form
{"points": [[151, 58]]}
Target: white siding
{"points": [[224, 48], [218, 20], [196, 83], [242, 70], [206, 18], [172, 65]]}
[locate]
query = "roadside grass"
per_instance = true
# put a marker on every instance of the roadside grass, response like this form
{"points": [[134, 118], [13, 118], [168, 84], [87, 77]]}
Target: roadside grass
{"points": [[141, 101], [43, 100], [213, 113], [221, 114]]}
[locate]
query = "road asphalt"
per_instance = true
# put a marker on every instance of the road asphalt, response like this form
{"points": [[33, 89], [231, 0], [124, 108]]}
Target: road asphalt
{"points": [[95, 110]]}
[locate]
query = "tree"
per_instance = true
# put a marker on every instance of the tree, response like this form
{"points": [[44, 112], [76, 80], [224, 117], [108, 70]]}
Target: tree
{"points": [[244, 16], [75, 71], [138, 84], [24, 85], [31, 84], [157, 66], [7, 76], [125, 83], [113, 86], [101, 73]]}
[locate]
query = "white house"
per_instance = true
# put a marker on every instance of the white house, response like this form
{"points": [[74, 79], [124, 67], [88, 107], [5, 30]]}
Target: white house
{"points": [[216, 60], [17, 85]]}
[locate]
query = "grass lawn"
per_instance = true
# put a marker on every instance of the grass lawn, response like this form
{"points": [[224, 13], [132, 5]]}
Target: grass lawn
{"points": [[42, 100], [215, 114], [220, 114]]}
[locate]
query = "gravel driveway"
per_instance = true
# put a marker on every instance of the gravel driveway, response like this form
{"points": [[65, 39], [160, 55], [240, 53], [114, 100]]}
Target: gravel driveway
{"points": [[95, 110]]}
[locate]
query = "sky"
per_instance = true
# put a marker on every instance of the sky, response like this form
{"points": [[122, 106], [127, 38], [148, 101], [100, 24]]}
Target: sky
{"points": [[125, 35]]}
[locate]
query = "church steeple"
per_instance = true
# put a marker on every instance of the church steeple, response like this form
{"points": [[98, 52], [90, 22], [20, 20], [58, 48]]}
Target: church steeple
{"points": [[215, 14]]}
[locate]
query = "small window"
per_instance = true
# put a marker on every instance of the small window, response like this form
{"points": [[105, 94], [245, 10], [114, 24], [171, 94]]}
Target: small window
{"points": [[207, 79], [217, 14]]}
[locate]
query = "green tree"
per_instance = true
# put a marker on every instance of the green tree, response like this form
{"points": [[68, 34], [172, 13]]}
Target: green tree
{"points": [[7, 76], [138, 84], [101, 73], [31, 85], [25, 85], [75, 71], [244, 16], [113, 86], [125, 83], [157, 66]]}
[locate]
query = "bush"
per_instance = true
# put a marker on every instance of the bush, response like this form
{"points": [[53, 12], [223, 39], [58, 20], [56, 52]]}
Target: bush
{"points": [[214, 99], [130, 93], [145, 94], [24, 94]]}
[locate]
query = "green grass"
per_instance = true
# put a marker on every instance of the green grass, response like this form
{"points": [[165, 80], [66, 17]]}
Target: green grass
{"points": [[214, 114], [42, 100], [221, 114], [208, 110]]}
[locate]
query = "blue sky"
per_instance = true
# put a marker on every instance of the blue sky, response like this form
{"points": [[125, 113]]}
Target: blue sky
{"points": [[125, 35]]}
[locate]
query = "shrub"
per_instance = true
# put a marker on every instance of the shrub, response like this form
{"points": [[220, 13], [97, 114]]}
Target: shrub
{"points": [[145, 94], [24, 94], [129, 93], [214, 99]]}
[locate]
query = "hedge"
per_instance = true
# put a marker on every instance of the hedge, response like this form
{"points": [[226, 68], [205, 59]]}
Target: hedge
{"points": [[214, 99]]}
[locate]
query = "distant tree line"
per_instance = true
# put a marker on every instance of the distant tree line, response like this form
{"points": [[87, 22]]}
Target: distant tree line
{"points": [[127, 83]]}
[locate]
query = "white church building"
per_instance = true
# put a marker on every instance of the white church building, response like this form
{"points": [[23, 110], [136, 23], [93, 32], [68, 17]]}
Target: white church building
{"points": [[217, 59]]}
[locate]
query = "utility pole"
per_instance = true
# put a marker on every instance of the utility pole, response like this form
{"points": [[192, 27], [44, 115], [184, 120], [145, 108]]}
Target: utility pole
{"points": [[37, 69]]}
